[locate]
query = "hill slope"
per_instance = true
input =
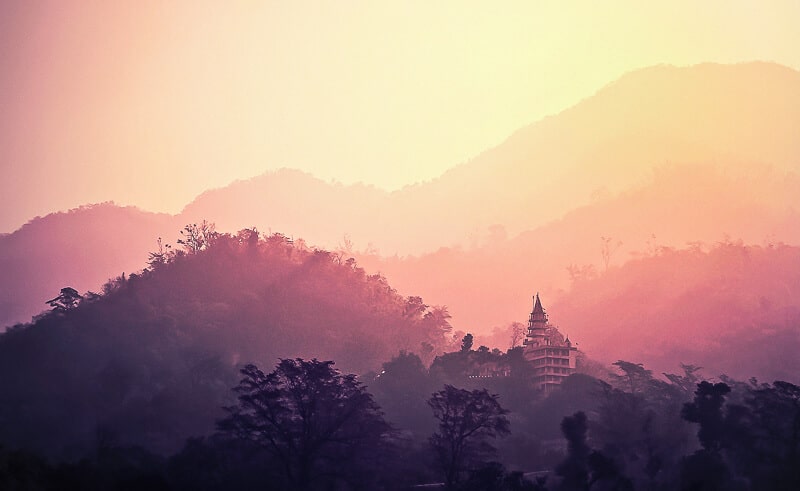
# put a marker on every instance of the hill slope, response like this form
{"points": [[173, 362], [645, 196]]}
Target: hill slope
{"points": [[82, 247], [732, 310], [152, 361]]}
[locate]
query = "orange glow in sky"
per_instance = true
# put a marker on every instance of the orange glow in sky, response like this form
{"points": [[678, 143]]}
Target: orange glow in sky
{"points": [[150, 103]]}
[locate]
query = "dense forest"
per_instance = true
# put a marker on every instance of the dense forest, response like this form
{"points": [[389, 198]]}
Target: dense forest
{"points": [[213, 368], [151, 358]]}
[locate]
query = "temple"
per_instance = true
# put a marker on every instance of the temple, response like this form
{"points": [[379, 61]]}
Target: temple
{"points": [[552, 357]]}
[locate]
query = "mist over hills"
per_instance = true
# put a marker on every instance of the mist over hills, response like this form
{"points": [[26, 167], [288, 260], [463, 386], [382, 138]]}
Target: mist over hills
{"points": [[731, 309], [491, 284], [291, 200], [663, 157], [742, 117]]}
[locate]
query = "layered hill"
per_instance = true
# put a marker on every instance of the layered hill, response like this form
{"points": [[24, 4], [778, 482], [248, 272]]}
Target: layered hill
{"points": [[83, 247], [491, 284], [727, 136], [151, 361], [732, 309], [743, 117]]}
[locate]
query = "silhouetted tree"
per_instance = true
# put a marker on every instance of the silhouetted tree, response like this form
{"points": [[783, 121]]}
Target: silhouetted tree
{"points": [[517, 333], [467, 420], [436, 324], [634, 377], [638, 425], [706, 468], [574, 470], [195, 237], [584, 469], [776, 414], [67, 300], [318, 423], [466, 343], [706, 410], [402, 389], [763, 436], [249, 238], [688, 381], [161, 256]]}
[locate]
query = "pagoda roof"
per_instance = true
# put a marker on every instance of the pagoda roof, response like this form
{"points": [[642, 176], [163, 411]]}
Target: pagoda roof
{"points": [[537, 305]]}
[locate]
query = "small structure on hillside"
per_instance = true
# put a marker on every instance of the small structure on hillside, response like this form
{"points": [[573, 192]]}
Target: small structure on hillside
{"points": [[552, 356]]}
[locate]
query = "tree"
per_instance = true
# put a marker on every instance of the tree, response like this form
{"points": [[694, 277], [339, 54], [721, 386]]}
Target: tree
{"points": [[517, 331], [466, 343], [414, 307], [467, 420], [584, 469], [248, 237], [762, 437], [436, 322], [68, 299], [318, 423], [686, 382], [161, 256], [196, 238], [706, 409], [607, 249], [706, 468], [574, 470], [776, 429], [402, 389], [634, 376]]}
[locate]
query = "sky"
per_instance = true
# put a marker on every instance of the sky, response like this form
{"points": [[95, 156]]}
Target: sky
{"points": [[151, 103]]}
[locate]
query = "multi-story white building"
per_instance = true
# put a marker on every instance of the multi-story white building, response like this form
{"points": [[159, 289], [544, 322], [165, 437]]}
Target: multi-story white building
{"points": [[552, 357]]}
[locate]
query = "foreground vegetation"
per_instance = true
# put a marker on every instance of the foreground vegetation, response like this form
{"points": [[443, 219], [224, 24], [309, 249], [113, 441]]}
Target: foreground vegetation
{"points": [[306, 426], [131, 389]]}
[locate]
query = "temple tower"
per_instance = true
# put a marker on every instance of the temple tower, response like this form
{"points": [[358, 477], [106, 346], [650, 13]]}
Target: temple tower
{"points": [[553, 357], [537, 325]]}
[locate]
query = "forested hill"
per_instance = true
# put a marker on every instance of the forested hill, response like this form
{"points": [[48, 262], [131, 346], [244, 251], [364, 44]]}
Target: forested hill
{"points": [[81, 248], [731, 309], [151, 359]]}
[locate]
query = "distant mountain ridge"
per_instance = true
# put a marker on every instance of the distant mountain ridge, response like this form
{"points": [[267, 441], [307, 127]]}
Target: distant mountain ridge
{"points": [[741, 116]]}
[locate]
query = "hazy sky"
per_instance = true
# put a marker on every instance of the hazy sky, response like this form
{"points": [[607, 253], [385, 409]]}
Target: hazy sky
{"points": [[150, 103]]}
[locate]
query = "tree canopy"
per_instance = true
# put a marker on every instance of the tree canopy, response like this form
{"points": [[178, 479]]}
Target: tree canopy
{"points": [[321, 425], [151, 358], [468, 420]]}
